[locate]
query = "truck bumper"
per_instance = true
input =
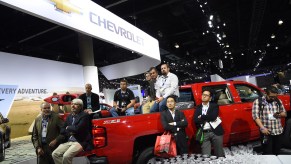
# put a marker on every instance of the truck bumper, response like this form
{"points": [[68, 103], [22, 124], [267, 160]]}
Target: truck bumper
{"points": [[97, 160]]}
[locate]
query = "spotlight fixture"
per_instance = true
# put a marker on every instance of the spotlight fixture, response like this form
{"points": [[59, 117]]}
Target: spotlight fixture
{"points": [[227, 45], [280, 22], [210, 24], [276, 48], [224, 24], [242, 54], [268, 45], [211, 17], [273, 36], [177, 45]]}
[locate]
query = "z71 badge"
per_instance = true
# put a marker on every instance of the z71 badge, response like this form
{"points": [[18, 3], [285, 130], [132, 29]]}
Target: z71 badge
{"points": [[111, 121]]}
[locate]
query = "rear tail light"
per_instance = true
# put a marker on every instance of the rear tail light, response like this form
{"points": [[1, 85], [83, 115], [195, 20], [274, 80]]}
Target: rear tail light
{"points": [[99, 137]]}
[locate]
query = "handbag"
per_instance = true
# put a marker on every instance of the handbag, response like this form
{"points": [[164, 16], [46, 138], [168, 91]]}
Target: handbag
{"points": [[165, 146], [200, 135]]}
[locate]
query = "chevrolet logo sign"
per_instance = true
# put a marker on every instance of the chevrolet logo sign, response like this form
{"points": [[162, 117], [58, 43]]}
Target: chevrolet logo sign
{"points": [[66, 6]]}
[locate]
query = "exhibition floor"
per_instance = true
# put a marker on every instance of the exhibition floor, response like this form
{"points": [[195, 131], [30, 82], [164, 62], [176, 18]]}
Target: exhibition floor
{"points": [[22, 152]]}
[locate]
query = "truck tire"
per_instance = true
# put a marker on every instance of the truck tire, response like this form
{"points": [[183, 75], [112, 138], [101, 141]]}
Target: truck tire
{"points": [[2, 149], [147, 156]]}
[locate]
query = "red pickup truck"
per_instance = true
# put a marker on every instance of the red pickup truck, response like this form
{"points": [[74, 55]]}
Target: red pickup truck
{"points": [[130, 139]]}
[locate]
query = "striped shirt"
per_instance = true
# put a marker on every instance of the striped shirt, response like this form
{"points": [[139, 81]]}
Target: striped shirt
{"points": [[266, 113]]}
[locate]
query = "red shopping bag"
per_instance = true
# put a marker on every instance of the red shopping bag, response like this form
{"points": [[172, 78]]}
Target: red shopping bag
{"points": [[165, 146]]}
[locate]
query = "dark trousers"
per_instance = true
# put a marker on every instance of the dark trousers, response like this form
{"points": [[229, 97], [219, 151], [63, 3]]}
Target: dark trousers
{"points": [[272, 145], [47, 157], [181, 143]]}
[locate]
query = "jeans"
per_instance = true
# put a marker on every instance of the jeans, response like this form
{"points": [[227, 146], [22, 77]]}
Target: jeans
{"points": [[159, 106], [128, 112]]}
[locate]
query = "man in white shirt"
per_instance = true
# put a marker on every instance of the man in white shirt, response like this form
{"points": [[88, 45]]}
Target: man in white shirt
{"points": [[166, 85]]}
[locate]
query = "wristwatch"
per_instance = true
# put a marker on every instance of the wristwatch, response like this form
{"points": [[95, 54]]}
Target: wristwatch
{"points": [[262, 128]]}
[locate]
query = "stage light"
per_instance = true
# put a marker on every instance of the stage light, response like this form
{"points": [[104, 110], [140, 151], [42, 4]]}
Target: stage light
{"points": [[268, 45], [177, 45], [227, 45], [280, 22], [211, 17], [276, 48], [273, 36], [242, 54], [210, 24]]}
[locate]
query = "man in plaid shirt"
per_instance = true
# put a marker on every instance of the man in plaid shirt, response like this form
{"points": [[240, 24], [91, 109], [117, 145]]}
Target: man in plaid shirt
{"points": [[268, 118]]}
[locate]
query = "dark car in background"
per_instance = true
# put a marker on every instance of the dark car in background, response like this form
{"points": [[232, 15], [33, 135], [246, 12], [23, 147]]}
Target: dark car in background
{"points": [[5, 140]]}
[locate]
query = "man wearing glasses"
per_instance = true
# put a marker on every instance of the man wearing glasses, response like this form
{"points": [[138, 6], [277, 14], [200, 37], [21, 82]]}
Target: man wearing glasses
{"points": [[267, 112], [206, 116], [76, 129]]}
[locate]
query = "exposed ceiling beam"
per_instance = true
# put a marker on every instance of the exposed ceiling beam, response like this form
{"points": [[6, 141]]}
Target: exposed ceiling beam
{"points": [[259, 7]]}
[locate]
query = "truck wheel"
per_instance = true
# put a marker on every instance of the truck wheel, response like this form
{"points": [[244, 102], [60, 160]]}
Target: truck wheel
{"points": [[2, 149], [147, 157]]}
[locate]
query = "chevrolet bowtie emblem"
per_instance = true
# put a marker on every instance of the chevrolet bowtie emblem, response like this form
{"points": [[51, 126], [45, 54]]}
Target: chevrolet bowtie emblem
{"points": [[66, 6]]}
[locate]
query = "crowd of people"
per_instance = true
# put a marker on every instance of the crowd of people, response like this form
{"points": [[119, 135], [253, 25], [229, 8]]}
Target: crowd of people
{"points": [[58, 141]]}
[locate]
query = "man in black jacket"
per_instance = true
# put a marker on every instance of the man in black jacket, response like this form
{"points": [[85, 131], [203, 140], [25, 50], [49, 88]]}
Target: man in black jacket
{"points": [[90, 100], [77, 131], [206, 115], [175, 122]]}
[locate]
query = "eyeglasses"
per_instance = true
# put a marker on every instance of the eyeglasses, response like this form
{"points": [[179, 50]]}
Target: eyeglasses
{"points": [[206, 95]]}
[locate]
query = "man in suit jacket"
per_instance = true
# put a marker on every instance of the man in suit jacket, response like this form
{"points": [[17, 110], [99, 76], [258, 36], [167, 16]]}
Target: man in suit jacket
{"points": [[77, 131], [175, 122], [205, 113], [90, 100], [46, 134]]}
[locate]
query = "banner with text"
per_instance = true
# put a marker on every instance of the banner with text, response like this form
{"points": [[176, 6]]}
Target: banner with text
{"points": [[89, 18]]}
